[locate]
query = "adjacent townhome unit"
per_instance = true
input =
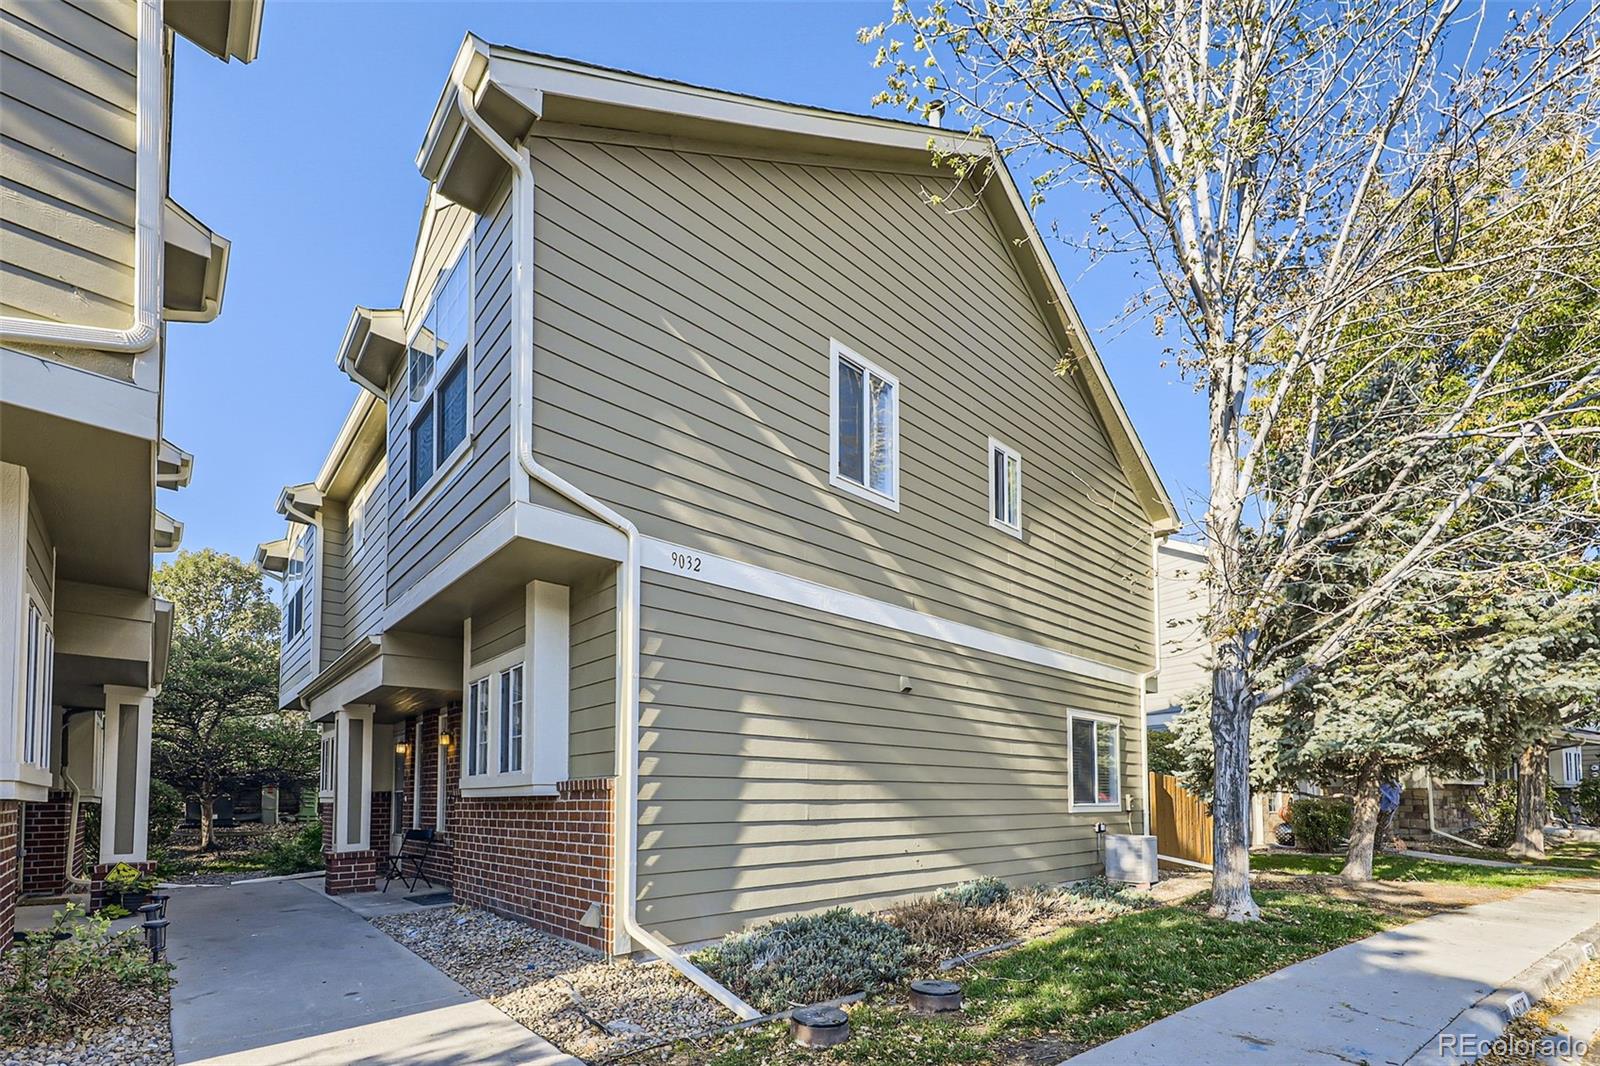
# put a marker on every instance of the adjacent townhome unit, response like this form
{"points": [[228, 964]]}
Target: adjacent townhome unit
{"points": [[712, 538], [95, 260]]}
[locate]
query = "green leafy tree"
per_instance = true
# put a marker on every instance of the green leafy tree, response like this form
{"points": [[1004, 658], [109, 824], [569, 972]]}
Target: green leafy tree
{"points": [[1279, 169], [217, 724]]}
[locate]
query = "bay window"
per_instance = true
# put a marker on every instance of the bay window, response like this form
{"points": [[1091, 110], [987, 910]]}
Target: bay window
{"points": [[438, 367]]}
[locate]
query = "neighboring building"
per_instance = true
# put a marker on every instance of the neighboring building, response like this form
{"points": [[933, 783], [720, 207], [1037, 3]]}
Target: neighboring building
{"points": [[95, 261], [887, 617], [1574, 759], [1184, 656]]}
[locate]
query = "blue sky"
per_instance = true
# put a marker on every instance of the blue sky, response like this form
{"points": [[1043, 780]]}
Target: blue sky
{"points": [[304, 159]]}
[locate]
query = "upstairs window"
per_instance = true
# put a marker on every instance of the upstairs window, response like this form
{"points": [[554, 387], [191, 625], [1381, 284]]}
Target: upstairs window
{"points": [[364, 509], [297, 582], [1093, 755], [438, 362], [864, 428], [1005, 488]]}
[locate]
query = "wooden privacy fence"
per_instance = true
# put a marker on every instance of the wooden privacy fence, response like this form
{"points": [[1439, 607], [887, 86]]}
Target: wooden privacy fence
{"points": [[1180, 821]]}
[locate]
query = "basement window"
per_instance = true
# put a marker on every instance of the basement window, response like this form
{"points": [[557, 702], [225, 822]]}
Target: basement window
{"points": [[1093, 754]]}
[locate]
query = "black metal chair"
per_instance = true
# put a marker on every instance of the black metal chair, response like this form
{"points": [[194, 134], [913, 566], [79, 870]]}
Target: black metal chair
{"points": [[407, 866]]}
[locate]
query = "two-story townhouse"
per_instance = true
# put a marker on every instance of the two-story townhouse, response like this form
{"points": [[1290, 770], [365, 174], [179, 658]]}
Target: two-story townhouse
{"points": [[742, 552], [95, 260]]}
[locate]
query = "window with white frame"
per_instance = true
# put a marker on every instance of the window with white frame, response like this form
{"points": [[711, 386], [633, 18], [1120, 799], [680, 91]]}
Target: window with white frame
{"points": [[511, 720], [330, 755], [864, 428], [478, 727], [363, 509], [1005, 488], [297, 585], [438, 366], [38, 693], [1572, 765], [1093, 756]]}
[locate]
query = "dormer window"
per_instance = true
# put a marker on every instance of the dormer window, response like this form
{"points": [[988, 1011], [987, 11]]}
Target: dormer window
{"points": [[438, 370]]}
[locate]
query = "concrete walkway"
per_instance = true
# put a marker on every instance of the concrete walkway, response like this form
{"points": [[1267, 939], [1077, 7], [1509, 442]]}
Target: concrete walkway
{"points": [[1383, 1000], [270, 974]]}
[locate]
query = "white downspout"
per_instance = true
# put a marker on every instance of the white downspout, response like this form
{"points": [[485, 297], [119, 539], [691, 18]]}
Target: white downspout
{"points": [[147, 252], [627, 731]]}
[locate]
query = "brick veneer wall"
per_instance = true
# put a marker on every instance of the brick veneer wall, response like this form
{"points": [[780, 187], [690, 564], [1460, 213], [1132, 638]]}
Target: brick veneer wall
{"points": [[545, 859], [1450, 808], [355, 871], [10, 824], [45, 835], [97, 881], [424, 759]]}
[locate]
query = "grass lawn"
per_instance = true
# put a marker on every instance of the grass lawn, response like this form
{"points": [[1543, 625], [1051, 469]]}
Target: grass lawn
{"points": [[1079, 987], [1404, 868]]}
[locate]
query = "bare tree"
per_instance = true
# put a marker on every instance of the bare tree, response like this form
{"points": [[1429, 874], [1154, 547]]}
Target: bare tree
{"points": [[1295, 174]]}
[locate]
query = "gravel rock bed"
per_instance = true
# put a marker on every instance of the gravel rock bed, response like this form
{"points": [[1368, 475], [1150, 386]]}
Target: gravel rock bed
{"points": [[572, 996], [139, 1035]]}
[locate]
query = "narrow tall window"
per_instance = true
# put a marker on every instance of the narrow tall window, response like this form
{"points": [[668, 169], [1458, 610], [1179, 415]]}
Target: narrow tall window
{"points": [[1093, 762], [297, 584], [437, 372], [1005, 488], [478, 727], [38, 694], [511, 720], [1572, 763], [865, 428]]}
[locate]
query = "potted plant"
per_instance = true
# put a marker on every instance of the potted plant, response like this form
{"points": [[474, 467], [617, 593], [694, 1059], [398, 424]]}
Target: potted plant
{"points": [[127, 887]]}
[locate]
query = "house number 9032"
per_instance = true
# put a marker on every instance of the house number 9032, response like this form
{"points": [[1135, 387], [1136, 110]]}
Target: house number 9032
{"points": [[688, 562]]}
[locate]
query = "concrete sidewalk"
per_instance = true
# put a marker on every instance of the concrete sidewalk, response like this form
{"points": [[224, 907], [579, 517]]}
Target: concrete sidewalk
{"points": [[1382, 1000], [270, 974]]}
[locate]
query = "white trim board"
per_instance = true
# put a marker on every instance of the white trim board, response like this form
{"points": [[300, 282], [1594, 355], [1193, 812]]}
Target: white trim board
{"points": [[670, 558]]}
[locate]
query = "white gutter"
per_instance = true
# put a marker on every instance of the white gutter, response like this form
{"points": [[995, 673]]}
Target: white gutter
{"points": [[148, 206], [627, 731]]}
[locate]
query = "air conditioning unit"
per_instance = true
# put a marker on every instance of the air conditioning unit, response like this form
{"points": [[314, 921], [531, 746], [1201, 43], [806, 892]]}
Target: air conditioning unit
{"points": [[1131, 859]]}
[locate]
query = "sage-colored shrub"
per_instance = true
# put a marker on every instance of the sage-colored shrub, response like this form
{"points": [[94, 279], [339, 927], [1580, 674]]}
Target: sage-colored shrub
{"points": [[984, 892], [1320, 824], [810, 959]]}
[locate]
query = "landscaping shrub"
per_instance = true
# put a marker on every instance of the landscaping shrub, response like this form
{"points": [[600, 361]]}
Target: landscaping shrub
{"points": [[1492, 814], [984, 892], [1587, 798], [809, 959], [1165, 758], [299, 853], [944, 928], [53, 981], [1098, 889], [1320, 824]]}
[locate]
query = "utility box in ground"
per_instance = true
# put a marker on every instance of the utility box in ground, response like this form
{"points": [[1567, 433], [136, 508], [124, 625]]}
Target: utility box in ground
{"points": [[1131, 859]]}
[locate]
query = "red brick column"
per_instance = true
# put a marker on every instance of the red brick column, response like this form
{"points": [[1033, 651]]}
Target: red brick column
{"points": [[10, 824], [347, 871], [546, 859], [45, 835], [98, 895]]}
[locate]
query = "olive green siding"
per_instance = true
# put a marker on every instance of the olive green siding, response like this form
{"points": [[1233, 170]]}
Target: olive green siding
{"points": [[360, 606], [684, 305], [782, 769], [295, 659], [500, 627], [477, 489], [591, 748], [1185, 654], [41, 554], [68, 139], [333, 537]]}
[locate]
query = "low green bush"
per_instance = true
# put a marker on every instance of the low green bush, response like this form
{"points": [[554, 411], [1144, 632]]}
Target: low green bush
{"points": [[809, 959], [984, 892], [1124, 897], [54, 980], [1492, 814], [1320, 824], [1587, 797], [298, 854]]}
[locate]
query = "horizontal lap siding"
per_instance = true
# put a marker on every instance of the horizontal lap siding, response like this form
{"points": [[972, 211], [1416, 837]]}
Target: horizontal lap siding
{"points": [[1181, 626], [683, 311], [499, 628], [67, 161], [593, 662], [334, 537], [782, 769], [479, 488], [41, 554], [295, 667], [364, 570]]}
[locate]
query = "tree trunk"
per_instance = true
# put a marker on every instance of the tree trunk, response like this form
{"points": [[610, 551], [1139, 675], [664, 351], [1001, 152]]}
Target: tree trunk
{"points": [[1533, 768], [1230, 804], [1363, 824], [205, 820]]}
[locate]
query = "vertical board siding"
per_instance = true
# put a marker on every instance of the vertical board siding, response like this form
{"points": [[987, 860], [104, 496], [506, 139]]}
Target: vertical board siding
{"points": [[68, 138], [591, 750], [684, 307], [782, 769], [478, 488]]}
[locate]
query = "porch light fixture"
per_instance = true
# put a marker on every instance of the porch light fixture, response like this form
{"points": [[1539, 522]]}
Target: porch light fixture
{"points": [[401, 747], [444, 739]]}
